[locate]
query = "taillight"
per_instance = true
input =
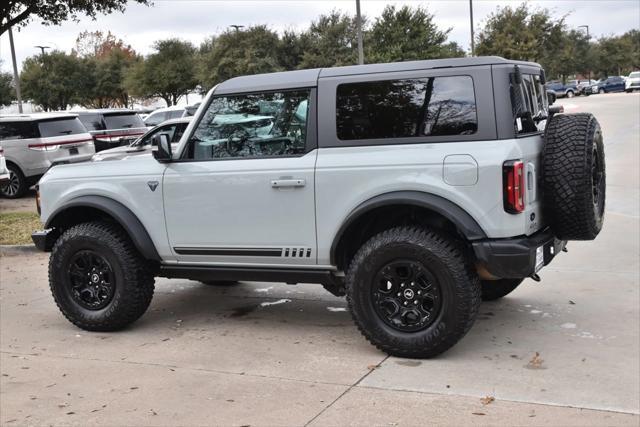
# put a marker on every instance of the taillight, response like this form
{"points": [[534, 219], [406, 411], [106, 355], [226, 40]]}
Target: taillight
{"points": [[514, 188]]}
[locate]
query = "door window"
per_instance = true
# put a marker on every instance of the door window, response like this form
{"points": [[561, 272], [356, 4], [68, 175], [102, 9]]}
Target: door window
{"points": [[255, 125], [435, 106]]}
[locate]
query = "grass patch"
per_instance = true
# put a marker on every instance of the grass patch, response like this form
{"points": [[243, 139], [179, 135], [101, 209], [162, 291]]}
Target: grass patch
{"points": [[16, 227]]}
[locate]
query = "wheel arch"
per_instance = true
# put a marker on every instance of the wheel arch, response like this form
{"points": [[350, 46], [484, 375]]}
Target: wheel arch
{"points": [[432, 209], [86, 208]]}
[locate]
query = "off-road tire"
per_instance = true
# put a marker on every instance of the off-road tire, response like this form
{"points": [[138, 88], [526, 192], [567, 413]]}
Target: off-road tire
{"points": [[446, 259], [573, 160], [134, 281], [220, 283], [17, 185], [496, 289]]}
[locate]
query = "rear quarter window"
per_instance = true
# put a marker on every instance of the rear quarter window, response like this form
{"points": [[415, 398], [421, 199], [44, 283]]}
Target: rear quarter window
{"points": [[18, 130], [123, 121], [51, 128], [434, 106]]}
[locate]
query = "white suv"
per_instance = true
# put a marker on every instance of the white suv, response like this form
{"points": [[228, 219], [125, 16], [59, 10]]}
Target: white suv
{"points": [[415, 188], [33, 143]]}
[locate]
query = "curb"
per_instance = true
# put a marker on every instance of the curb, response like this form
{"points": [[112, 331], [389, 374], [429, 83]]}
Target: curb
{"points": [[14, 250]]}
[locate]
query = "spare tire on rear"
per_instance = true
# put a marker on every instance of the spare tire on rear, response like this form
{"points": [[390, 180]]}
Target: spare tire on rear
{"points": [[574, 176]]}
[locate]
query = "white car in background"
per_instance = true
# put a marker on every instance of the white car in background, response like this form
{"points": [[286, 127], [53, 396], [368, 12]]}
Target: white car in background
{"points": [[632, 82], [4, 172], [163, 114], [33, 143]]}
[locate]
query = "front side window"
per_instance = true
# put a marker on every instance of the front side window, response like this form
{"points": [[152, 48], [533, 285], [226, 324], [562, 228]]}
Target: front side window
{"points": [[61, 127], [436, 106], [267, 124]]}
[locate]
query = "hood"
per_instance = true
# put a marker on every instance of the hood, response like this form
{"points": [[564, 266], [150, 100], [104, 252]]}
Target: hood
{"points": [[120, 153], [143, 164]]}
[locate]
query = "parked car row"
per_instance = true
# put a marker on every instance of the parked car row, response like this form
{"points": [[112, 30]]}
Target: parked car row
{"points": [[589, 87]]}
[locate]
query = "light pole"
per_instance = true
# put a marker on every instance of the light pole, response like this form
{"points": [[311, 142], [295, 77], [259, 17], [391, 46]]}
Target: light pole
{"points": [[16, 77], [42, 48], [359, 28], [473, 47], [588, 41], [237, 27]]}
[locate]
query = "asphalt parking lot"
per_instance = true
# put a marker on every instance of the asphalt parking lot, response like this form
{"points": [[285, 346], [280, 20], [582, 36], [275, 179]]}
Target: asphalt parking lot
{"points": [[563, 352]]}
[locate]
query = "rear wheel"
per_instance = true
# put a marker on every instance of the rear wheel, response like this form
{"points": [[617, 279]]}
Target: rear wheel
{"points": [[17, 185], [412, 292], [601, 91], [97, 277], [496, 289], [570, 94]]}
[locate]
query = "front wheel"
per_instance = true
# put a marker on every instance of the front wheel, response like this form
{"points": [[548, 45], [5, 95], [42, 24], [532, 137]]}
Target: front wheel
{"points": [[17, 184], [412, 292], [569, 94], [496, 289], [601, 91], [97, 277]]}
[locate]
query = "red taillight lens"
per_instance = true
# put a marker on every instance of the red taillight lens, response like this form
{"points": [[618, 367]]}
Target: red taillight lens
{"points": [[514, 189]]}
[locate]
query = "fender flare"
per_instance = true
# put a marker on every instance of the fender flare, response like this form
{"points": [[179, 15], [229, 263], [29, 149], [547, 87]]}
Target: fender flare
{"points": [[458, 216], [122, 214]]}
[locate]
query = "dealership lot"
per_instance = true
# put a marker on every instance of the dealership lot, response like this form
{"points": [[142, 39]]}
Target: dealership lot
{"points": [[564, 350]]}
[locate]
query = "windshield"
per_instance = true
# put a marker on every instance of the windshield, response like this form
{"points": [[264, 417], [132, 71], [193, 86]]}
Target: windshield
{"points": [[61, 127], [123, 121]]}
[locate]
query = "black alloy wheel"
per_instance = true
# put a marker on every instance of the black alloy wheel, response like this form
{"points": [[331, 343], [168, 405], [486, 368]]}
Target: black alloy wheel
{"points": [[92, 282], [406, 296]]}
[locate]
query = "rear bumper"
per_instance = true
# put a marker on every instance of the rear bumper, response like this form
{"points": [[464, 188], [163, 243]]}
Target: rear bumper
{"points": [[518, 257], [44, 239]]}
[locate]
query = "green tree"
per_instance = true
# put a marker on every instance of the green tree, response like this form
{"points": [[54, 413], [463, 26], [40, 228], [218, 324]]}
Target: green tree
{"points": [[104, 61], [169, 73], [521, 33], [330, 41], [50, 80], [7, 93], [408, 34], [235, 53], [53, 12], [617, 55]]}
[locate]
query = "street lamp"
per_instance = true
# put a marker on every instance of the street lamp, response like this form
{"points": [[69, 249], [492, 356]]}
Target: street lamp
{"points": [[473, 47], [359, 28], [237, 27], [588, 38], [42, 48]]}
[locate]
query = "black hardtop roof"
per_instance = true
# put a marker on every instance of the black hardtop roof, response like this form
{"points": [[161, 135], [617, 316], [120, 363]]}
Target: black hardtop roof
{"points": [[309, 78]]}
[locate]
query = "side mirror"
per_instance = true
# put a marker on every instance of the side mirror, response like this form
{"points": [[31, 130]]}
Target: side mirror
{"points": [[162, 148], [551, 97]]}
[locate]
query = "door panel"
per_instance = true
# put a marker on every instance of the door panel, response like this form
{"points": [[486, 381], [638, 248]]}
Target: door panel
{"points": [[230, 211]]}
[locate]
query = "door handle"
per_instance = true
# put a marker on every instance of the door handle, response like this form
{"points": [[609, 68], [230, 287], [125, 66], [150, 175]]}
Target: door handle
{"points": [[282, 183]]}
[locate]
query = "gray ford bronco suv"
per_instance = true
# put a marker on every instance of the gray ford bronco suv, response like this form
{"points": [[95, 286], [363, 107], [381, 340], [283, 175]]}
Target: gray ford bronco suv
{"points": [[416, 189]]}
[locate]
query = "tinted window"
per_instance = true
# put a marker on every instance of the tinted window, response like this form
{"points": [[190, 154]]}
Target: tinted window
{"points": [[18, 130], [406, 108], [530, 96], [123, 121], [62, 127], [92, 121], [252, 125]]}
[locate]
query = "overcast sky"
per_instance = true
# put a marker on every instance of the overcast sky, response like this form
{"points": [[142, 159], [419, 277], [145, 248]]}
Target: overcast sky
{"points": [[139, 26]]}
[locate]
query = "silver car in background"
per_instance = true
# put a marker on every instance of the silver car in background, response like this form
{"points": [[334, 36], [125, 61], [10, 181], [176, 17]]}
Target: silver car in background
{"points": [[33, 143]]}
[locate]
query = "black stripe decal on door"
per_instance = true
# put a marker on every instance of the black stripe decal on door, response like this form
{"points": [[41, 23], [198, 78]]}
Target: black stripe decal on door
{"points": [[269, 252]]}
